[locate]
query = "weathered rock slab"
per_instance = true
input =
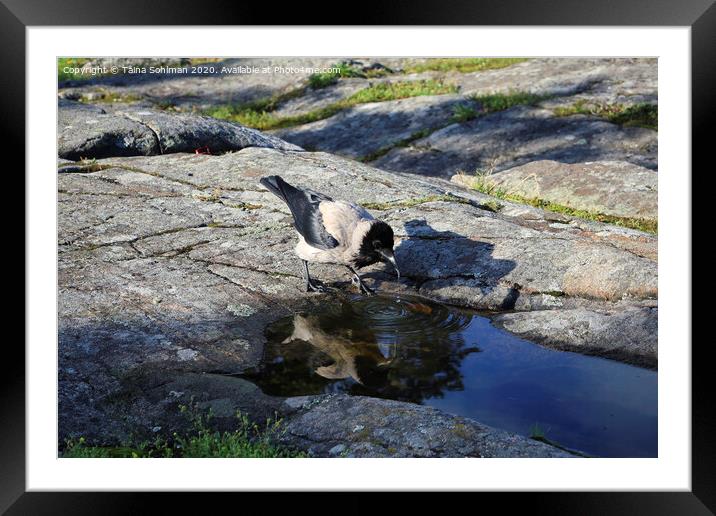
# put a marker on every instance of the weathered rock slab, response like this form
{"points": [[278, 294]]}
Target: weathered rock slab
{"points": [[500, 140], [486, 262], [173, 265], [517, 136], [86, 131], [629, 335], [313, 99], [610, 187], [356, 426], [211, 209], [619, 80], [366, 129]]}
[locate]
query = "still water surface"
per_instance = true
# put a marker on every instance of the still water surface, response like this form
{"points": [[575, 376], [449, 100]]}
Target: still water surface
{"points": [[412, 350]]}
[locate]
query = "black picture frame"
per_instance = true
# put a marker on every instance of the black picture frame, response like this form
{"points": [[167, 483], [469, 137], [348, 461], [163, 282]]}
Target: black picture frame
{"points": [[700, 15]]}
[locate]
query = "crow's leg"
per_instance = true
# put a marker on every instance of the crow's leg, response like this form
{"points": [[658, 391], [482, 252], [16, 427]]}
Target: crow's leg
{"points": [[310, 286], [357, 280]]}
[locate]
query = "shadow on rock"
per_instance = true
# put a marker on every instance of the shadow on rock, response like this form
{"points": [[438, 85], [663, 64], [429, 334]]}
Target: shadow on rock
{"points": [[122, 379], [437, 260], [505, 139], [363, 130]]}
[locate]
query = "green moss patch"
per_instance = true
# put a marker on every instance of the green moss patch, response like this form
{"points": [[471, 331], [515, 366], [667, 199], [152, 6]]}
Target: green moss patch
{"points": [[492, 102], [385, 91], [636, 115], [463, 113], [462, 65], [247, 441], [483, 184], [260, 114]]}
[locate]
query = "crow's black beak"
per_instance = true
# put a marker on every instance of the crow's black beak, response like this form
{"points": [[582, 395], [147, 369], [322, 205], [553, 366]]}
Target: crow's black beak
{"points": [[388, 256]]}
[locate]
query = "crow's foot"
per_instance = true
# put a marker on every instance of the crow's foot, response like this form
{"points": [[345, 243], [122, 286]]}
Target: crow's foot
{"points": [[362, 287]]}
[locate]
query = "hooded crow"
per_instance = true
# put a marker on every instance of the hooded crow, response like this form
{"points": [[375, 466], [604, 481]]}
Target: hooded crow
{"points": [[331, 231]]}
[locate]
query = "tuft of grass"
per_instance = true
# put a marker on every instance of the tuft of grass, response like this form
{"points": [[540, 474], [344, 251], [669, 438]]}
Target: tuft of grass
{"points": [[637, 115], [463, 113], [483, 184], [492, 102], [247, 441], [260, 114], [462, 65], [385, 91], [265, 119]]}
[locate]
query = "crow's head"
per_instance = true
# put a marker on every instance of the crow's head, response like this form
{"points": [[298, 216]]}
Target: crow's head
{"points": [[377, 245]]}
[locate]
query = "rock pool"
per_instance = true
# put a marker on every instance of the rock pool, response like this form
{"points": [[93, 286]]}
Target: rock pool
{"points": [[413, 350]]}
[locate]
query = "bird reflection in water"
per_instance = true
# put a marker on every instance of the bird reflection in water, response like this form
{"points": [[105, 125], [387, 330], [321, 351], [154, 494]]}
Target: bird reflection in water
{"points": [[390, 347], [348, 356]]}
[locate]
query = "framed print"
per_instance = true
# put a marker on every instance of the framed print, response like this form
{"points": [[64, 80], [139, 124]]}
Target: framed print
{"points": [[359, 258]]}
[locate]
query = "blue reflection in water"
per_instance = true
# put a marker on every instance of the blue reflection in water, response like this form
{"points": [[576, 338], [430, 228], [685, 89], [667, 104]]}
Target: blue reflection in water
{"points": [[412, 350], [591, 404]]}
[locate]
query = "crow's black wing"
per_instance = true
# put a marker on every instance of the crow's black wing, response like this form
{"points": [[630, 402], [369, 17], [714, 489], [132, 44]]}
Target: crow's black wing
{"points": [[304, 207]]}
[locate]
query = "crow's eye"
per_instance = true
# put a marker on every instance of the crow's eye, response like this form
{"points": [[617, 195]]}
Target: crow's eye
{"points": [[377, 244]]}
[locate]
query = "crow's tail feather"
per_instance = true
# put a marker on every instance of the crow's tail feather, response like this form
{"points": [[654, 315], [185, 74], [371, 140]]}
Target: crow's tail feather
{"points": [[305, 209]]}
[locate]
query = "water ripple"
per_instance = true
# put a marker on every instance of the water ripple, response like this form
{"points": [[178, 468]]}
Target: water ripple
{"points": [[404, 316]]}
